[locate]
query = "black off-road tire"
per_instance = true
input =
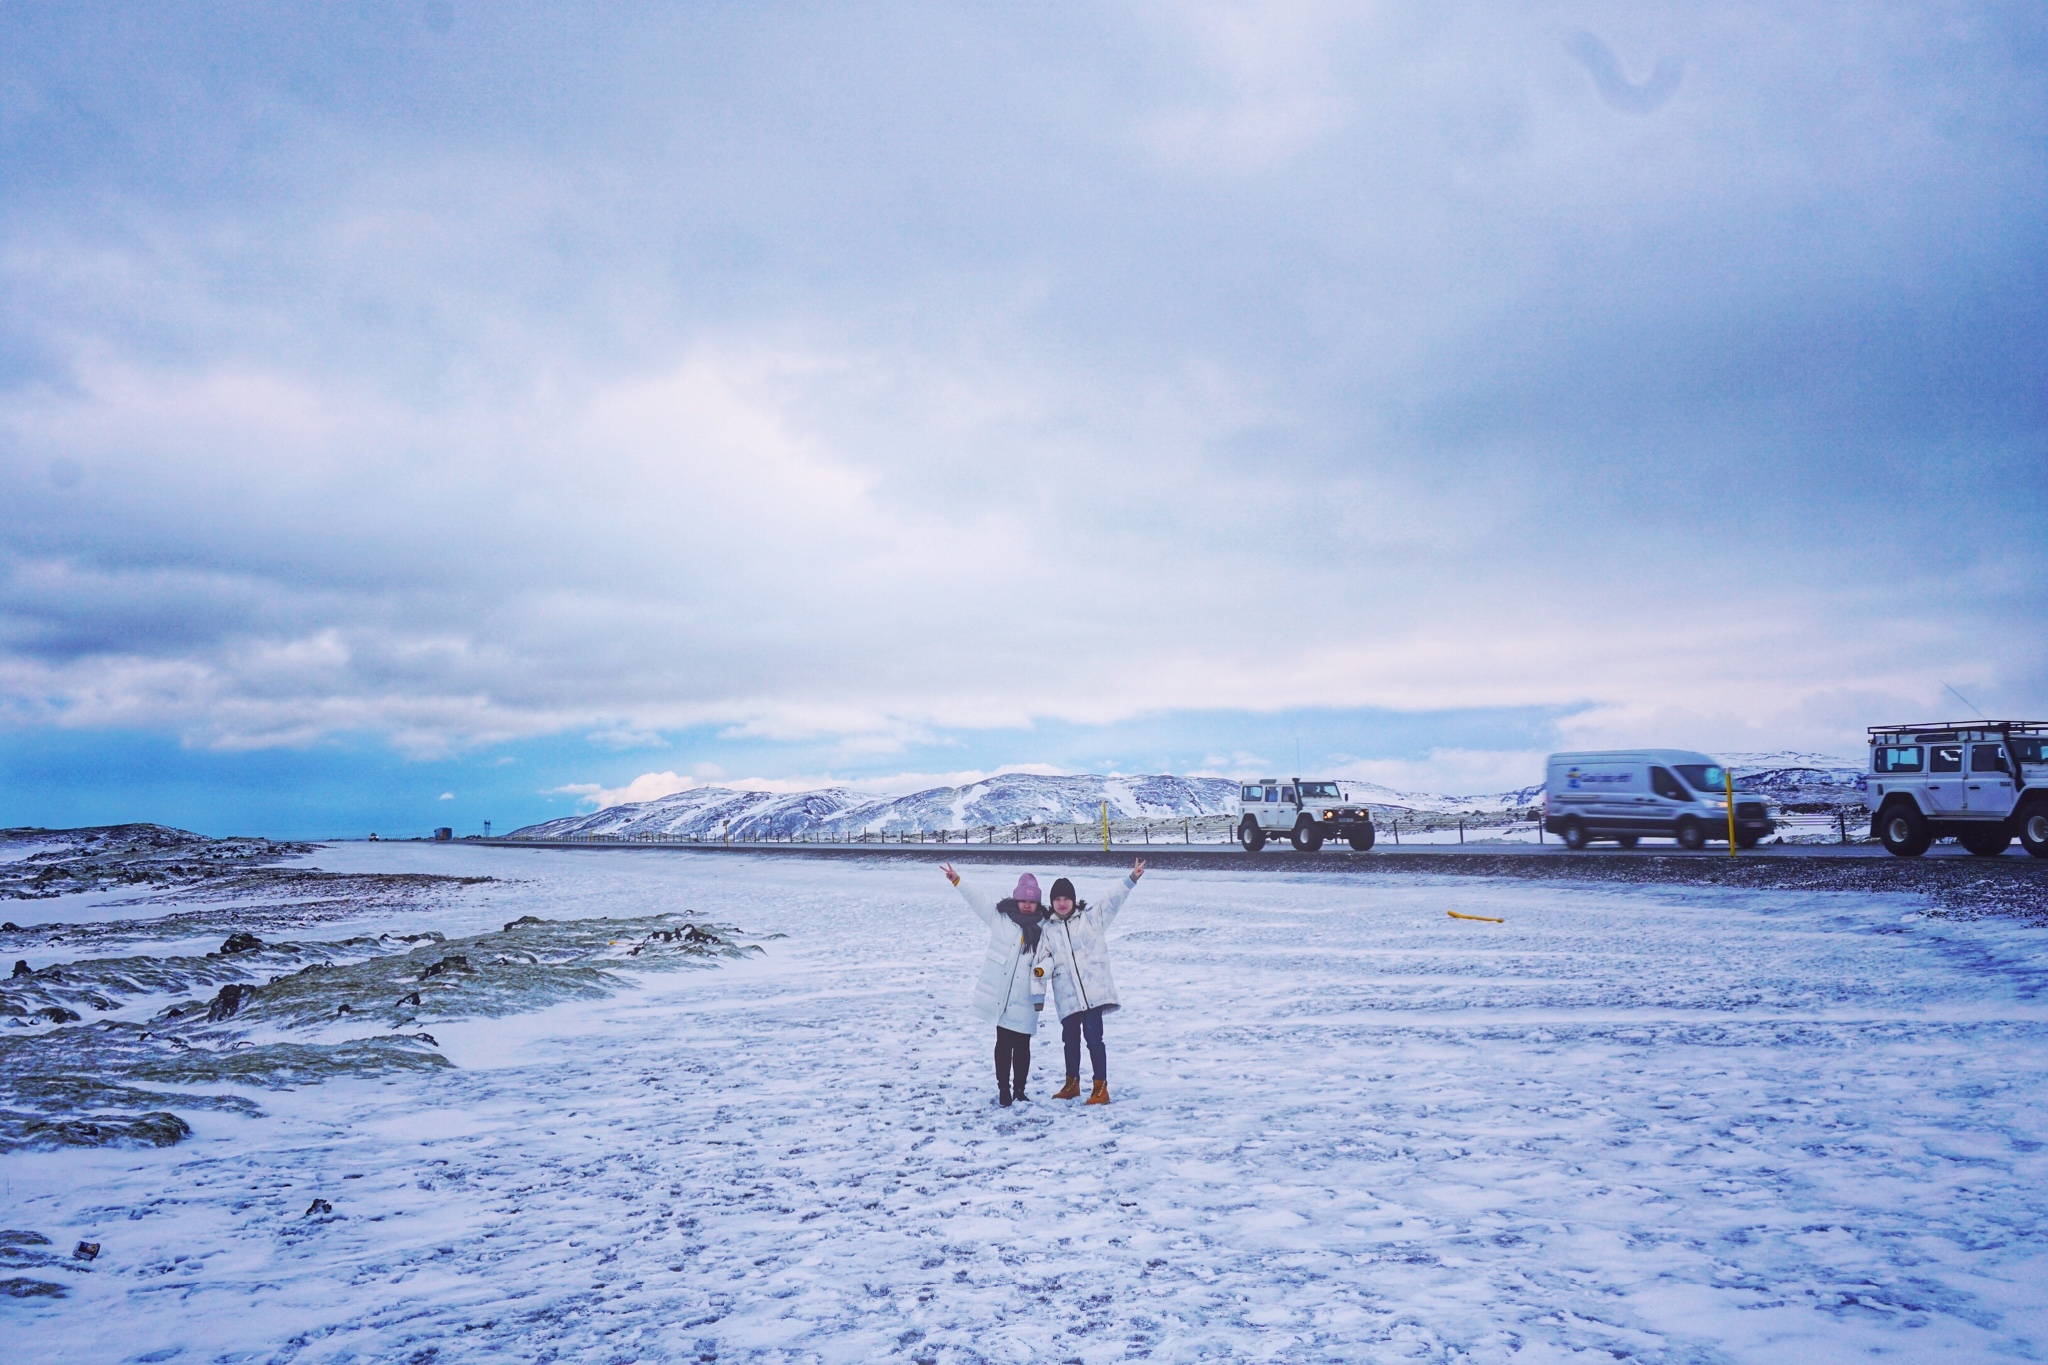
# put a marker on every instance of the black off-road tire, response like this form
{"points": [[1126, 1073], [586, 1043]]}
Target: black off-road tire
{"points": [[1573, 832], [1250, 837], [2033, 823], [1903, 831], [1986, 843], [1691, 834], [1361, 840], [1306, 838], [1626, 840], [1748, 840]]}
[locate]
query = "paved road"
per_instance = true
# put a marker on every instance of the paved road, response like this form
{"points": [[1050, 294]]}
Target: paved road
{"points": [[1955, 880], [1164, 852]]}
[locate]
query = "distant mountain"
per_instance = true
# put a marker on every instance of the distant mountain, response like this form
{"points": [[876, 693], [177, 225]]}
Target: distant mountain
{"points": [[1806, 779], [1006, 799], [1029, 798]]}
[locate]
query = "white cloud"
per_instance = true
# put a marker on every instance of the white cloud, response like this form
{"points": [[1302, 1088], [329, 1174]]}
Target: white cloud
{"points": [[1337, 358], [1452, 772], [447, 796], [653, 786]]}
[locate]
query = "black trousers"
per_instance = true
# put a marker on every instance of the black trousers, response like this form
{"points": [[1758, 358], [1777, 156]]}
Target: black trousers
{"points": [[1013, 1060], [1071, 1029]]}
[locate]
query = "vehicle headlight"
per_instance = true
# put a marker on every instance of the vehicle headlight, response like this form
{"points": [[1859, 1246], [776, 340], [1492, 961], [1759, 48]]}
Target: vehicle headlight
{"points": [[1329, 815]]}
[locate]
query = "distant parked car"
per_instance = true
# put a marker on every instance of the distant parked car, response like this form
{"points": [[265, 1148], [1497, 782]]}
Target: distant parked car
{"points": [[1307, 813], [1628, 794], [1978, 782]]}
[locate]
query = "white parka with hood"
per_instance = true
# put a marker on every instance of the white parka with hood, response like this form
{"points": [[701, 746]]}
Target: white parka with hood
{"points": [[1075, 954], [1007, 993]]}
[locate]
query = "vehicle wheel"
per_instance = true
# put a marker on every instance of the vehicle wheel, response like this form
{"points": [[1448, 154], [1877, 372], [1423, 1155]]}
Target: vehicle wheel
{"points": [[1691, 834], [1361, 839], [1903, 829], [2034, 829], [1627, 840], [1251, 836], [1574, 832], [1748, 840], [1986, 843], [1306, 838]]}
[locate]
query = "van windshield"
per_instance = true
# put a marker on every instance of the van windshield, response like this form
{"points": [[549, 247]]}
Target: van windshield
{"points": [[1706, 777], [1319, 791]]}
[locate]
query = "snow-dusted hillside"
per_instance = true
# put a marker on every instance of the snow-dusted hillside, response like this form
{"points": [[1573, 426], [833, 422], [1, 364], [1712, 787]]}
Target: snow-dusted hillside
{"points": [[1801, 779], [1029, 798], [1006, 799]]}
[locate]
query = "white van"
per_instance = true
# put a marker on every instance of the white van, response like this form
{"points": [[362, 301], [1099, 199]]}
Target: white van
{"points": [[1627, 794]]}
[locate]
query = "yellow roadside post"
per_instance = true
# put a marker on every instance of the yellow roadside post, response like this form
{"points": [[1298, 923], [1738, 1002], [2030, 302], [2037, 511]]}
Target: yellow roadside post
{"points": [[1105, 827], [1729, 775]]}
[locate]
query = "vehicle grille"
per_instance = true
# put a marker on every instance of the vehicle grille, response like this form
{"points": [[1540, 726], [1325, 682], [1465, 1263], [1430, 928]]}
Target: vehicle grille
{"points": [[1749, 810]]}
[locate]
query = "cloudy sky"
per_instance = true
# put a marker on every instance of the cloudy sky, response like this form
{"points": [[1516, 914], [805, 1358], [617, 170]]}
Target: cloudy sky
{"points": [[423, 413]]}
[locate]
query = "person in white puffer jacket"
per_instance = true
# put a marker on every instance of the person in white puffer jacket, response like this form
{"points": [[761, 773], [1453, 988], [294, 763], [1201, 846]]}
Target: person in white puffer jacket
{"points": [[1009, 992], [1074, 950]]}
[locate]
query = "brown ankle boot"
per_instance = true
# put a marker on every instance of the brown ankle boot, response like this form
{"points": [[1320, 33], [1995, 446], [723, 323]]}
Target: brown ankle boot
{"points": [[1100, 1094], [1069, 1090]]}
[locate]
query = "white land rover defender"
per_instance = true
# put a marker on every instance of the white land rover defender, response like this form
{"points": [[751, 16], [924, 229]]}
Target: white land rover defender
{"points": [[1979, 782], [1305, 812]]}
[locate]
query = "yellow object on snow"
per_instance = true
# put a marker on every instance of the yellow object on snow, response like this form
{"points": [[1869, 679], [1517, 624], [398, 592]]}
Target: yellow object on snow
{"points": [[1488, 918]]}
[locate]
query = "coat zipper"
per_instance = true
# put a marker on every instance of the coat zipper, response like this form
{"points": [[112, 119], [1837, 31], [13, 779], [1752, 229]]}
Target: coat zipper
{"points": [[1074, 964]]}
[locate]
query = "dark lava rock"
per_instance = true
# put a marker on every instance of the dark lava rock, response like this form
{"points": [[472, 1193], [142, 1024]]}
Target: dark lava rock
{"points": [[412, 999], [57, 1014], [317, 1206], [229, 1001], [22, 1288], [140, 1130], [10, 927], [21, 968], [86, 1251], [240, 942], [524, 919], [454, 962]]}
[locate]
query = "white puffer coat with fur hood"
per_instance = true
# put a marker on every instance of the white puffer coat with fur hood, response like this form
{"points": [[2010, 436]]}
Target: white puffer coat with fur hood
{"points": [[1075, 953], [1007, 993]]}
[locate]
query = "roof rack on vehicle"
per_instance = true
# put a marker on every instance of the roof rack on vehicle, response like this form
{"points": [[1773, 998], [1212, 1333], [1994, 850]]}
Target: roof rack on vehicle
{"points": [[2023, 725]]}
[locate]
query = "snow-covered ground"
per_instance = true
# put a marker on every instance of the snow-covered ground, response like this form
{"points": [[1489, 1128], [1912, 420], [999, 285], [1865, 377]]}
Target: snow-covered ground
{"points": [[1629, 1123]]}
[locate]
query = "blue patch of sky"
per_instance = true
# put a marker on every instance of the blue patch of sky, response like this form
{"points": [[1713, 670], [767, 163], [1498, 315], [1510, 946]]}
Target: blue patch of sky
{"points": [[352, 787]]}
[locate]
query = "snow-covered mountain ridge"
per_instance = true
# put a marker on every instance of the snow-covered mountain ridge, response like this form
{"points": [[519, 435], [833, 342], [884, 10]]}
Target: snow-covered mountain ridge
{"points": [[1030, 798]]}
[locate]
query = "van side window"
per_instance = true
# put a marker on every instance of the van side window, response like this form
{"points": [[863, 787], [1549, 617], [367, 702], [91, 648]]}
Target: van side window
{"points": [[1895, 758], [1987, 758], [1250, 794], [1287, 793], [1272, 793], [1944, 758], [1667, 786]]}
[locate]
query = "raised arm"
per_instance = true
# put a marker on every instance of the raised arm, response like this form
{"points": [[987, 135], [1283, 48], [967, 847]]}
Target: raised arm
{"points": [[1116, 897], [984, 909]]}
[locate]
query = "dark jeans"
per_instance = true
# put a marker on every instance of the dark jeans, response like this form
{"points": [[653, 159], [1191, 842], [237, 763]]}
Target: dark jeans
{"points": [[1013, 1060], [1071, 1029]]}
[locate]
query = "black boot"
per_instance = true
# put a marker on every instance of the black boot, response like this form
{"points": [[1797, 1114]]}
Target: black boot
{"points": [[1003, 1097]]}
